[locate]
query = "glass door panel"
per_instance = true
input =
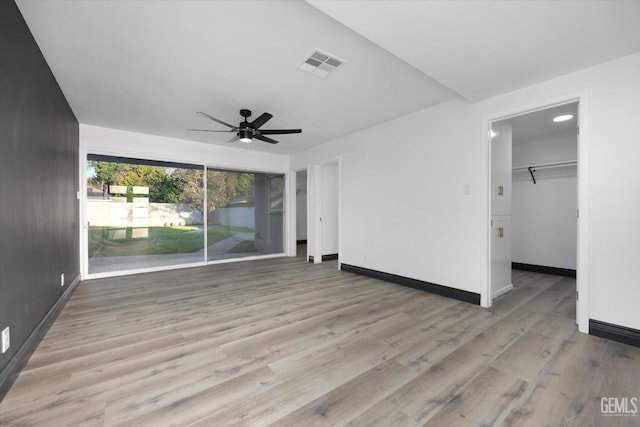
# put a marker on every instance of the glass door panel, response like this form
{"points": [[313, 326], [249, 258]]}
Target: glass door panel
{"points": [[143, 214], [245, 214]]}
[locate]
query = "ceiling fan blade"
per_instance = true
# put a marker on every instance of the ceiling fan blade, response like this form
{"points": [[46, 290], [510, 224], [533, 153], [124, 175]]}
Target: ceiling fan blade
{"points": [[215, 120], [210, 130], [279, 131], [265, 139], [264, 118], [234, 139]]}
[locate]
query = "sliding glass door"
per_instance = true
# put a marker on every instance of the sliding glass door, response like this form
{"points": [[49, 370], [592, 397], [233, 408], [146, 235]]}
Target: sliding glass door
{"points": [[143, 214], [244, 214], [149, 214]]}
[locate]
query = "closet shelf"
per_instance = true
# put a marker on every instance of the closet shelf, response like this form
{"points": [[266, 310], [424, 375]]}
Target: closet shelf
{"points": [[546, 166], [531, 169]]}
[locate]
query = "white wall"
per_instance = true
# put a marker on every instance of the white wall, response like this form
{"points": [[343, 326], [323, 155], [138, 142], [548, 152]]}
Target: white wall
{"points": [[544, 214], [329, 199], [403, 208], [544, 221], [545, 150], [94, 139]]}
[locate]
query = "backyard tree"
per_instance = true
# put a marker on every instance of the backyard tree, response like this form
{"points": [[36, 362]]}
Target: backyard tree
{"points": [[163, 186], [223, 187], [192, 193], [176, 185]]}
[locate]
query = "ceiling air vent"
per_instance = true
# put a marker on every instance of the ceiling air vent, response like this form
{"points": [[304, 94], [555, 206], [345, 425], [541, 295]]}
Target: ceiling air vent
{"points": [[320, 64]]}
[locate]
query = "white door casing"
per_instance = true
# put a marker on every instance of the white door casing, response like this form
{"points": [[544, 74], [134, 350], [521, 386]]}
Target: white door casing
{"points": [[583, 218]]}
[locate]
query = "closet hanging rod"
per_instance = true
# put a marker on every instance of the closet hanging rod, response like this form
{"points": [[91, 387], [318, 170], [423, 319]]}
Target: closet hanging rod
{"points": [[545, 166]]}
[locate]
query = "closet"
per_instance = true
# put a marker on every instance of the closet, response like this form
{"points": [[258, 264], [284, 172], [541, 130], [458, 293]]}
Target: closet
{"points": [[545, 190], [534, 209]]}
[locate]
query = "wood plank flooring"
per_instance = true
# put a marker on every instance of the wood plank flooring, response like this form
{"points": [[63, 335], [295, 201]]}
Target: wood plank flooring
{"points": [[287, 343]]}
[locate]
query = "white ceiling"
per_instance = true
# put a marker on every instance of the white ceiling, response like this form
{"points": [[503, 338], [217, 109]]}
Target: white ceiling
{"points": [[148, 66], [538, 125], [481, 49]]}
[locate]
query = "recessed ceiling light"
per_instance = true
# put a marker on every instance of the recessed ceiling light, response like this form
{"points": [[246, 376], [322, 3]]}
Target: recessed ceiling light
{"points": [[563, 118]]}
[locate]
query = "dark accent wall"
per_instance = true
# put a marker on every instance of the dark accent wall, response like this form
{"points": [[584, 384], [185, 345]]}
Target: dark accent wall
{"points": [[38, 184]]}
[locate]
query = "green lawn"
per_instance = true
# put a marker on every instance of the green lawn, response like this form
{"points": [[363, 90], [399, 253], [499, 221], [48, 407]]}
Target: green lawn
{"points": [[109, 241]]}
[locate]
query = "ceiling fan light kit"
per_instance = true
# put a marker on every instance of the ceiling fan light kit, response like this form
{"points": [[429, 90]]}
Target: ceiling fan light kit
{"points": [[248, 131], [245, 135]]}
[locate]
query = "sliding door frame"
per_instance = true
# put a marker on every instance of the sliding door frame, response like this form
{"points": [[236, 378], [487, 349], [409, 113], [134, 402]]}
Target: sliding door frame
{"points": [[83, 222]]}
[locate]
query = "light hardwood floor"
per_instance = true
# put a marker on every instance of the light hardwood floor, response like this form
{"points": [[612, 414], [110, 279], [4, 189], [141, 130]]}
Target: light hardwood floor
{"points": [[289, 343]]}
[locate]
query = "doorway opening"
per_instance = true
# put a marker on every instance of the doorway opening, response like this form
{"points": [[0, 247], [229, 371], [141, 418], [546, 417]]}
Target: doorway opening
{"points": [[534, 194], [301, 213], [324, 212]]}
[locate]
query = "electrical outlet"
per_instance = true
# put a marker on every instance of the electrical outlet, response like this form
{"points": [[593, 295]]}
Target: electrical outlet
{"points": [[6, 339], [62, 279]]}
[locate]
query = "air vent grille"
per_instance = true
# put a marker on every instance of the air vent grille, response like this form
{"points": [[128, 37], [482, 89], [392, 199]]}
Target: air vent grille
{"points": [[320, 64]]}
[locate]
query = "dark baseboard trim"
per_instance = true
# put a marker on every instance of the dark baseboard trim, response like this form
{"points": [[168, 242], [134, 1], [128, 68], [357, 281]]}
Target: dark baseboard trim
{"points": [[614, 332], [11, 371], [324, 257], [566, 272], [301, 242], [466, 296]]}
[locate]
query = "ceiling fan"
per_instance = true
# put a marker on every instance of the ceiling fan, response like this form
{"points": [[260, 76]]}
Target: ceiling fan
{"points": [[246, 131]]}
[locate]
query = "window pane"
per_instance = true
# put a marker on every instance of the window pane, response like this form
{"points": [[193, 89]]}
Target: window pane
{"points": [[143, 214], [244, 213], [276, 193]]}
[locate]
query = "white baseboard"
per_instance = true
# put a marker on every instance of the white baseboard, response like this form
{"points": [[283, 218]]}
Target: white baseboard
{"points": [[501, 291]]}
